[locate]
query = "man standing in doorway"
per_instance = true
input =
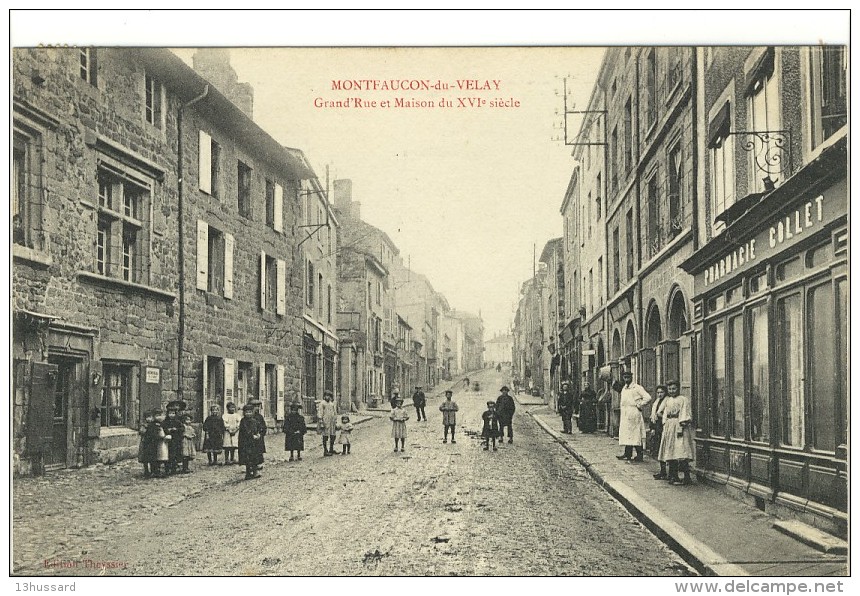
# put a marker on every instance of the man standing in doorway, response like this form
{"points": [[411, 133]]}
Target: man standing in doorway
{"points": [[419, 400], [631, 431], [505, 408]]}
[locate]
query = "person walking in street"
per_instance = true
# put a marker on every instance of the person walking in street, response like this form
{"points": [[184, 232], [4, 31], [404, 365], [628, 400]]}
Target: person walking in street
{"points": [[231, 433], [419, 400], [587, 421], [250, 443], [189, 443], [345, 434], [213, 435], [657, 429], [466, 383], [294, 432], [449, 410], [398, 418], [491, 429], [505, 408], [631, 431], [676, 446], [327, 423], [565, 407]]}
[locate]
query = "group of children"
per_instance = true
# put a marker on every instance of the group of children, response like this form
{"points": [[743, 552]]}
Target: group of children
{"points": [[167, 442]]}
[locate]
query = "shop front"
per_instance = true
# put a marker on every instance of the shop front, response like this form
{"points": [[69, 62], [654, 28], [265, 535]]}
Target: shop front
{"points": [[770, 317]]}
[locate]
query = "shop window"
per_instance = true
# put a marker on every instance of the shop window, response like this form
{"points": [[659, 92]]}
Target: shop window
{"points": [[789, 269], [825, 388], [243, 188], [828, 92], [153, 101], [123, 210], [718, 384], [733, 295], [759, 373], [716, 303], [119, 394], [789, 342], [758, 283], [736, 325], [819, 256]]}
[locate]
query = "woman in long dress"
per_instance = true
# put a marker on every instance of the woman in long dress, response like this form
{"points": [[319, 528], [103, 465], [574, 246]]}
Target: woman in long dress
{"points": [[398, 418], [676, 445], [327, 422]]}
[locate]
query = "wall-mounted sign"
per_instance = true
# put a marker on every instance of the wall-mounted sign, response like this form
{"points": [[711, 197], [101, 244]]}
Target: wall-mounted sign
{"points": [[153, 375]]}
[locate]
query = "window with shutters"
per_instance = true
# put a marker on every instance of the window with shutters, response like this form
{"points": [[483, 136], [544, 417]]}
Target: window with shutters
{"points": [[215, 279], [764, 116], [243, 189], [274, 206], [630, 255], [209, 165], [26, 187], [320, 302], [828, 92], [676, 214], [271, 283], [214, 382], [121, 226], [214, 260], [271, 390], [88, 65], [244, 374], [721, 161]]}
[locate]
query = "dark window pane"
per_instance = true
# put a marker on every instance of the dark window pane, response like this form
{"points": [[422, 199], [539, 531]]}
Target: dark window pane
{"points": [[790, 362], [823, 367], [759, 374]]}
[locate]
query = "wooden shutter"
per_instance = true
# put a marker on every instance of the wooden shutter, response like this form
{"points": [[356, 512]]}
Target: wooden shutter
{"points": [[263, 280], [205, 385], [204, 163], [40, 411], [228, 265], [229, 382], [202, 255], [279, 208], [261, 385], [282, 287], [94, 421], [280, 379]]}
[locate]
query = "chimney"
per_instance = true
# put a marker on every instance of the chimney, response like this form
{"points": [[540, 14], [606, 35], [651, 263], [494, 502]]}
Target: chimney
{"points": [[342, 194], [213, 64]]}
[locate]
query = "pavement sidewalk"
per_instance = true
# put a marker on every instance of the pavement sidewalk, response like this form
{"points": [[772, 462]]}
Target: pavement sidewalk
{"points": [[717, 534]]}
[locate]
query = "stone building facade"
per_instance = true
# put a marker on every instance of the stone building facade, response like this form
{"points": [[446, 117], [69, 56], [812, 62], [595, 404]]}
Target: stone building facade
{"points": [[137, 257]]}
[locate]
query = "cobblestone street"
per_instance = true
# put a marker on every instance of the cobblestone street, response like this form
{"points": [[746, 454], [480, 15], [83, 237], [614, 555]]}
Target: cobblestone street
{"points": [[437, 509]]}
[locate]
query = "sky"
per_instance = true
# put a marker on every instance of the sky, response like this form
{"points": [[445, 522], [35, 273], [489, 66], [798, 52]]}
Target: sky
{"points": [[464, 192]]}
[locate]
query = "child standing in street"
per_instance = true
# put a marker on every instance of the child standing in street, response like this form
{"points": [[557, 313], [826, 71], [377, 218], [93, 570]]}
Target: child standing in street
{"points": [[148, 444], [398, 418], [491, 426], [231, 433], [345, 432], [189, 438], [161, 439], [294, 432], [250, 443], [449, 415], [213, 437]]}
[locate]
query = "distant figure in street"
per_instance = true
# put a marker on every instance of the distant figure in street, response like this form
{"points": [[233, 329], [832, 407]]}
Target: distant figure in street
{"points": [[327, 423], [231, 433], [631, 431], [419, 400], [395, 395], [587, 421], [189, 440], [491, 426], [345, 433], [565, 407], [505, 408], [499, 367], [676, 446], [516, 383], [213, 435], [148, 444], [466, 383], [250, 443], [657, 430], [449, 410], [398, 418], [173, 427], [294, 432]]}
